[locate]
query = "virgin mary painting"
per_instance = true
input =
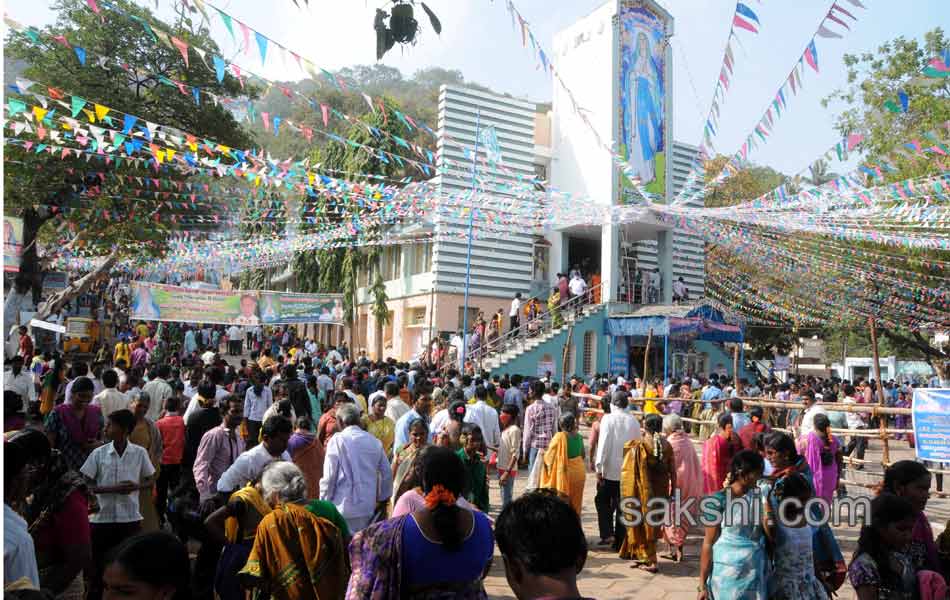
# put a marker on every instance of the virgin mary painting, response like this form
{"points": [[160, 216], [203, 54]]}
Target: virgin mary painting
{"points": [[643, 115]]}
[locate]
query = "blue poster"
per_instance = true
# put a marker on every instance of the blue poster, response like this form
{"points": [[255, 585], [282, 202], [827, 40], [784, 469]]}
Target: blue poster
{"points": [[642, 95], [932, 424], [619, 357]]}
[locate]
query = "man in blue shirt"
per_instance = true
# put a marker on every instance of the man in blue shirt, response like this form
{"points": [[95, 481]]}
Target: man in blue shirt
{"points": [[514, 395], [712, 392], [420, 410]]}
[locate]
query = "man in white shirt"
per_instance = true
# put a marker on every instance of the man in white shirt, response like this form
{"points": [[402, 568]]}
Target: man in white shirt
{"points": [[275, 433], [208, 357], [20, 381], [577, 285], [812, 408], [616, 429], [333, 356], [485, 417], [257, 399], [116, 472], [395, 407], [158, 391], [110, 399], [680, 292], [357, 477], [235, 340], [514, 314]]}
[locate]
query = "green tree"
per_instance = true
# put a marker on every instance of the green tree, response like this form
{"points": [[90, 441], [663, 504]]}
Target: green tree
{"points": [[337, 269], [871, 103], [872, 107], [63, 206]]}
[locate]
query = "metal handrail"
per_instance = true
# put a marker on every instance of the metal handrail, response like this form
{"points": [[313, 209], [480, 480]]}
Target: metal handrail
{"points": [[540, 324]]}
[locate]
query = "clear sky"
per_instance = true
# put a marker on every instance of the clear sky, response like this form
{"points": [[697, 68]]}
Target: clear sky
{"points": [[478, 39]]}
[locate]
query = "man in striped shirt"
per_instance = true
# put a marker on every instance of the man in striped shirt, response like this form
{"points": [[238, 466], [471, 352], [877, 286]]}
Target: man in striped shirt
{"points": [[540, 424]]}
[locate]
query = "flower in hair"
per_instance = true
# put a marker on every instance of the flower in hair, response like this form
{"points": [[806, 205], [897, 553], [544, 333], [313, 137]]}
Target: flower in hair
{"points": [[439, 495]]}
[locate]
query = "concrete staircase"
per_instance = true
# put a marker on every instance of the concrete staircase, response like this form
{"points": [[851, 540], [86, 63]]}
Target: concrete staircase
{"points": [[545, 342]]}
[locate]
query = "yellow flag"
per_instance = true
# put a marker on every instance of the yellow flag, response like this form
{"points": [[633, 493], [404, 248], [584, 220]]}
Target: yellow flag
{"points": [[170, 153], [101, 111], [90, 115], [39, 113]]}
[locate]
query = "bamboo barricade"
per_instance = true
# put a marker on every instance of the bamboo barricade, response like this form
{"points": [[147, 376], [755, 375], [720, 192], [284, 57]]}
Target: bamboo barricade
{"points": [[883, 433]]}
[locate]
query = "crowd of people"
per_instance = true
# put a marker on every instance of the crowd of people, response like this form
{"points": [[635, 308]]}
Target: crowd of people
{"points": [[306, 472]]}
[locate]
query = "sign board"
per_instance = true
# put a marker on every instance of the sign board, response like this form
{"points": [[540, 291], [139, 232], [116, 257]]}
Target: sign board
{"points": [[158, 302], [36, 324], [78, 327], [782, 363], [12, 244], [619, 356], [544, 366], [931, 412], [277, 307]]}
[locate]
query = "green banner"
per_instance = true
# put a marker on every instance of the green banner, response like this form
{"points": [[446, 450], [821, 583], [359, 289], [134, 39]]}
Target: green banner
{"points": [[283, 308], [158, 302]]}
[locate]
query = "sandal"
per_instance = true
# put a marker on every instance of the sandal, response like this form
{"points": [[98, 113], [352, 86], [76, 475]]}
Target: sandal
{"points": [[645, 567]]}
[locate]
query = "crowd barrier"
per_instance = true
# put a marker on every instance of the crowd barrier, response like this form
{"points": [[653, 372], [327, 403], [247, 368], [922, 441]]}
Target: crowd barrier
{"points": [[882, 432]]}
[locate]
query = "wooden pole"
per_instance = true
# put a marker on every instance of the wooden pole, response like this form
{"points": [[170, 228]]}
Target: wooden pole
{"points": [[735, 371], [646, 364], [885, 454]]}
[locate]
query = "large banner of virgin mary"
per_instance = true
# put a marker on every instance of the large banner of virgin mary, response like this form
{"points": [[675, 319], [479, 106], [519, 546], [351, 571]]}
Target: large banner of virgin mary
{"points": [[642, 95]]}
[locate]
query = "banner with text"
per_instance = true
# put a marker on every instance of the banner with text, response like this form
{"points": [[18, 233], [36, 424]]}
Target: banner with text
{"points": [[931, 412], [159, 302], [287, 308]]}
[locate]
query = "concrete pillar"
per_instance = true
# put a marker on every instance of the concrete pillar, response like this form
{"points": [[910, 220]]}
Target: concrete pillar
{"points": [[609, 262], [557, 261], [664, 257]]}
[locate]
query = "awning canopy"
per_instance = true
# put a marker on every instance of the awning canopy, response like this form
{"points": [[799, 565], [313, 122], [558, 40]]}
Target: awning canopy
{"points": [[702, 322]]}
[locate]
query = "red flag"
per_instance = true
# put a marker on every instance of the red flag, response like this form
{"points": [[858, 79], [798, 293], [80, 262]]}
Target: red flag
{"points": [[743, 24]]}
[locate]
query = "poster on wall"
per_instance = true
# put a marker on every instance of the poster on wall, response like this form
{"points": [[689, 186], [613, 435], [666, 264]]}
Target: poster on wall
{"points": [[643, 96], [931, 414], [12, 243], [277, 307], [158, 302], [619, 356]]}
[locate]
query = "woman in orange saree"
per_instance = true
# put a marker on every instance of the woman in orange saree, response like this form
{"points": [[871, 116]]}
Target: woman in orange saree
{"points": [[564, 468], [648, 473]]}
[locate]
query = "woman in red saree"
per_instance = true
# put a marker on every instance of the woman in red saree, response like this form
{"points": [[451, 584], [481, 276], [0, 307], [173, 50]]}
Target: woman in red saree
{"points": [[717, 454]]}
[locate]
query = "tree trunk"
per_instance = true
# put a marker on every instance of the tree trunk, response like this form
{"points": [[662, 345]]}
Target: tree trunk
{"points": [[379, 337], [30, 268], [76, 288]]}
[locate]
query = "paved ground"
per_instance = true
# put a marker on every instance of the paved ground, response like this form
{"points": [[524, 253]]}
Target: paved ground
{"points": [[607, 576]]}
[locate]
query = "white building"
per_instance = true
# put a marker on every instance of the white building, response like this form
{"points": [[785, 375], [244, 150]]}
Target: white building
{"points": [[596, 59], [425, 283]]}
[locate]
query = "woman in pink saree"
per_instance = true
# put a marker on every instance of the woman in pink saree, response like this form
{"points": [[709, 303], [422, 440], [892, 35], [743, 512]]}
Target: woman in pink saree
{"points": [[689, 477], [823, 455], [717, 454]]}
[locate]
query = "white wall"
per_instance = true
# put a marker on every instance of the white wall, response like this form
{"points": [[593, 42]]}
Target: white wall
{"points": [[584, 58]]}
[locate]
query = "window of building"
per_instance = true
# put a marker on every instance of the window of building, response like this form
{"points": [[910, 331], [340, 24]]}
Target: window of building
{"points": [[392, 262], [541, 171], [590, 352], [416, 316], [421, 258], [542, 255], [472, 315]]}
